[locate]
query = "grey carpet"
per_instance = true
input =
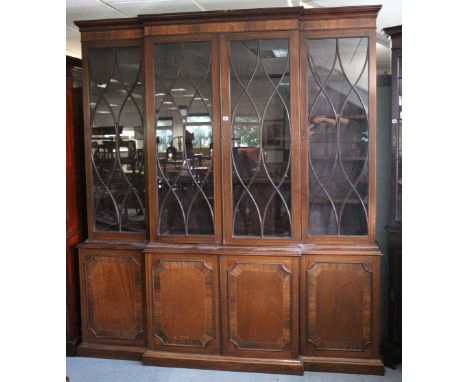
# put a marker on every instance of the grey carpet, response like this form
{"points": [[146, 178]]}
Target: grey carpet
{"points": [[81, 369]]}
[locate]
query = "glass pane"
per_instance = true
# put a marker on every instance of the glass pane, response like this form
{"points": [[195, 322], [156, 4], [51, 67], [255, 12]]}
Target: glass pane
{"points": [[184, 134], [338, 136], [116, 119], [260, 126], [399, 186]]}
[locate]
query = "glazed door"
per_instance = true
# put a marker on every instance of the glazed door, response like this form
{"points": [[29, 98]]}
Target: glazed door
{"points": [[338, 122], [183, 302], [114, 144], [260, 306], [184, 135], [260, 137]]}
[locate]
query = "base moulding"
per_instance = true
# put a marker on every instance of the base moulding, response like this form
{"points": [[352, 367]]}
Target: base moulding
{"points": [[110, 351], [344, 365], [229, 363], [219, 362]]}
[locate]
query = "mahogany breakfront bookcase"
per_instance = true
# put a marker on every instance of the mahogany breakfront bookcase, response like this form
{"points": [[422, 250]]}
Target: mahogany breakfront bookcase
{"points": [[230, 170]]}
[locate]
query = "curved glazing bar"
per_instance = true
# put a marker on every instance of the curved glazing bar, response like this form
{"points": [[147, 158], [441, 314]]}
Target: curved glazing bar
{"points": [[260, 133]]}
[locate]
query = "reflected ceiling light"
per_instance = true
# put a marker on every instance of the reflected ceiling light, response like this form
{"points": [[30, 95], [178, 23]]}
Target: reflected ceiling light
{"points": [[167, 102], [103, 112], [179, 90], [188, 95], [101, 85], [284, 84], [280, 52], [160, 94]]}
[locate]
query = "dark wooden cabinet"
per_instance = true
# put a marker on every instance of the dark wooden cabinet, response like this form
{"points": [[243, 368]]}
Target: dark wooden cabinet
{"points": [[230, 159], [392, 345], [76, 198]]}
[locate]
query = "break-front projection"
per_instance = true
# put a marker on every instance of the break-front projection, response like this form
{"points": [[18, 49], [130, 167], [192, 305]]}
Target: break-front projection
{"points": [[230, 173]]}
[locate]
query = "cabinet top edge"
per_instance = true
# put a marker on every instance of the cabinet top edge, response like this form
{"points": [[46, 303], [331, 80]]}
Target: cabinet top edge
{"points": [[230, 15], [391, 31]]}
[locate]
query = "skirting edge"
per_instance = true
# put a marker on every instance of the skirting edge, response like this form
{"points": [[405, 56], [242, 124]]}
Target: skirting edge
{"points": [[219, 362], [344, 365], [72, 345], [110, 351]]}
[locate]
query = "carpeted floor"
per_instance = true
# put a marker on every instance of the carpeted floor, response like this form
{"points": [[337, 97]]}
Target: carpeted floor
{"points": [[81, 369]]}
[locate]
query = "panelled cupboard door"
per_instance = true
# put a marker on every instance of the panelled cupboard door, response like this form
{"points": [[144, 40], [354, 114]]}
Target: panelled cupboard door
{"points": [[183, 299], [339, 303], [112, 296], [260, 306]]}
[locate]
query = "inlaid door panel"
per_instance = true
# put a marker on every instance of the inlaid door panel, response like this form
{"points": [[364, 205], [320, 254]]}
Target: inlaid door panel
{"points": [[112, 298], [259, 306], [184, 303], [338, 300]]}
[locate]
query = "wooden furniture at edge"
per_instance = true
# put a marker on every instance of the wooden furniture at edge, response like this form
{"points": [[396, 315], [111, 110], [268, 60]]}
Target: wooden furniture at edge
{"points": [[76, 199], [277, 284], [392, 345]]}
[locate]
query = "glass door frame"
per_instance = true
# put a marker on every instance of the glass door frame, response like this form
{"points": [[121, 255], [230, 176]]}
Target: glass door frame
{"points": [[150, 137], [342, 239], [229, 238]]}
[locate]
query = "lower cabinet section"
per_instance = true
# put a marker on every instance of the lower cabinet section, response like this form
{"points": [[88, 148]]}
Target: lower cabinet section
{"points": [[232, 311], [260, 306], [112, 302], [183, 303]]}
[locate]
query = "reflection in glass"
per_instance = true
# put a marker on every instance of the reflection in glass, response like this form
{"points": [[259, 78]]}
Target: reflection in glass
{"points": [[184, 134], [260, 132], [338, 136], [399, 185], [116, 119]]}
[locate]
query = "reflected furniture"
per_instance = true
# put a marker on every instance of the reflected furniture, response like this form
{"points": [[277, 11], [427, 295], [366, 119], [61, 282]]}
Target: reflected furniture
{"points": [[392, 345], [76, 198], [230, 171]]}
